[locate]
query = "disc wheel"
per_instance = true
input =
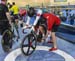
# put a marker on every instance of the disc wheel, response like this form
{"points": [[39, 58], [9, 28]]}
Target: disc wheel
{"points": [[28, 44]]}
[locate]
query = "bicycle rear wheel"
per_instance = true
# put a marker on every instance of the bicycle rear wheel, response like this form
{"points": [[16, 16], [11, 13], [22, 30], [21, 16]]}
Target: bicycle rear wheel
{"points": [[7, 40], [28, 44]]}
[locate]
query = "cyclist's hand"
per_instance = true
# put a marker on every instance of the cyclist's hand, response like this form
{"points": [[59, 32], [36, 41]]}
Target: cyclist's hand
{"points": [[25, 27]]}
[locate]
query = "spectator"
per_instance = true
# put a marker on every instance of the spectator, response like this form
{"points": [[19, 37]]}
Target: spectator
{"points": [[4, 16], [5, 19]]}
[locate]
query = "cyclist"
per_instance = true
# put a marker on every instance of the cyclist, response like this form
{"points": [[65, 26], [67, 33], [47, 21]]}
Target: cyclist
{"points": [[53, 23], [15, 11], [35, 18]]}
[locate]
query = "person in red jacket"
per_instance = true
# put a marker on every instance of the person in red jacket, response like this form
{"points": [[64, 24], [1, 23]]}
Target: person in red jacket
{"points": [[53, 23]]}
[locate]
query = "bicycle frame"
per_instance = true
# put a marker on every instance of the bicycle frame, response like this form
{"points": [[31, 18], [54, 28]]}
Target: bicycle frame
{"points": [[31, 35], [30, 28]]}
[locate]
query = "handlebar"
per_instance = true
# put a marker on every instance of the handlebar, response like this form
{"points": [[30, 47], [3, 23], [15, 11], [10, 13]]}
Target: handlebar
{"points": [[30, 27], [27, 27]]}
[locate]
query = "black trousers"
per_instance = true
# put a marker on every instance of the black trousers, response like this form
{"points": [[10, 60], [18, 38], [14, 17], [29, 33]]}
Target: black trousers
{"points": [[4, 24]]}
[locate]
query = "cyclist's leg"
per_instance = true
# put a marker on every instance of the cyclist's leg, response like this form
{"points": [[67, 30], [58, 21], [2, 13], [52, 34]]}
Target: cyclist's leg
{"points": [[43, 26], [43, 29], [16, 24], [16, 27], [4, 24], [39, 37]]}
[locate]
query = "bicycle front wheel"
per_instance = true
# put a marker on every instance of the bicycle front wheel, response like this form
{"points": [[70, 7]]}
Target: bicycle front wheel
{"points": [[7, 40], [28, 44]]}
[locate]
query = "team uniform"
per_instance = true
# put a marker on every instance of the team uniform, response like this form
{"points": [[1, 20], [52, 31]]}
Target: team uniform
{"points": [[15, 18], [37, 20], [34, 19], [15, 11], [4, 23], [53, 21]]}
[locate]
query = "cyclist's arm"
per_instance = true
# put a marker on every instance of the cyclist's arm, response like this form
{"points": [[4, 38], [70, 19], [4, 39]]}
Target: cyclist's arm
{"points": [[39, 13], [26, 25], [28, 20]]}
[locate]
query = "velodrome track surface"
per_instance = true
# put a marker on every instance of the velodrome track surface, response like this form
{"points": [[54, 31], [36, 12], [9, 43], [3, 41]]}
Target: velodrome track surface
{"points": [[65, 52]]}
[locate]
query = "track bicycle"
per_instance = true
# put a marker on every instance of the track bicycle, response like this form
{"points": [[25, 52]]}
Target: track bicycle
{"points": [[8, 38], [29, 42]]}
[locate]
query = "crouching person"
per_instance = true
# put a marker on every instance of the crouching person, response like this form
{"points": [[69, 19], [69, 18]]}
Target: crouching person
{"points": [[53, 23]]}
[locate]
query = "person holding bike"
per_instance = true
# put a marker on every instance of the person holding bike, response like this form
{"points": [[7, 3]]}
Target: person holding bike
{"points": [[5, 20], [53, 23]]}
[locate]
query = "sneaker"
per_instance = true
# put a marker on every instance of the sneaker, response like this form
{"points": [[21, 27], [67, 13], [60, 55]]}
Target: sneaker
{"points": [[52, 49]]}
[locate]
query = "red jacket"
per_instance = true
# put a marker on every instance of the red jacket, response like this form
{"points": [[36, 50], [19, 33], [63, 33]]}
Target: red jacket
{"points": [[51, 20]]}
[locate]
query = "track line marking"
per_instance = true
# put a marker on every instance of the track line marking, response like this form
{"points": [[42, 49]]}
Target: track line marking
{"points": [[14, 54]]}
